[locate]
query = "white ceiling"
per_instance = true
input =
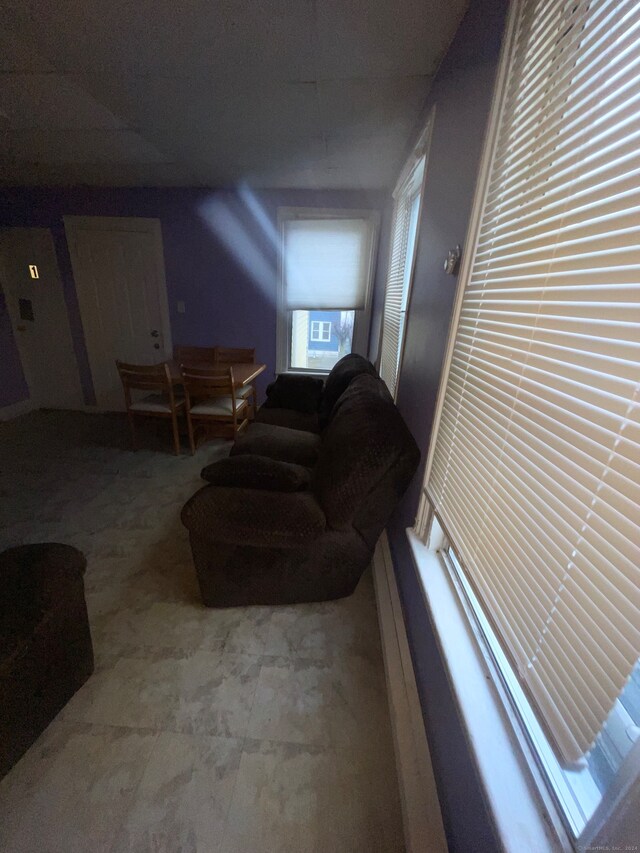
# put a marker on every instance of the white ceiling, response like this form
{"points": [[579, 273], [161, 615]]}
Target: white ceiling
{"points": [[277, 93]]}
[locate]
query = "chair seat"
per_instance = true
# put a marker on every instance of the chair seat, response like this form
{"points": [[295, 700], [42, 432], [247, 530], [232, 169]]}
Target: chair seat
{"points": [[218, 406], [156, 403], [245, 391]]}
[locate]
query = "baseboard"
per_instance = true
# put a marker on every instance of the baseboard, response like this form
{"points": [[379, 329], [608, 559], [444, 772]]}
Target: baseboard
{"points": [[8, 413], [423, 829]]}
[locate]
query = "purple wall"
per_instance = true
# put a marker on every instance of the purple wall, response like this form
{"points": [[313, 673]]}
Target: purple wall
{"points": [[219, 249], [462, 94]]}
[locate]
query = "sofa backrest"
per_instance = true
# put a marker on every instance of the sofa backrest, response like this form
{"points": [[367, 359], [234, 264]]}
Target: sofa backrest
{"points": [[367, 458], [337, 382], [298, 393]]}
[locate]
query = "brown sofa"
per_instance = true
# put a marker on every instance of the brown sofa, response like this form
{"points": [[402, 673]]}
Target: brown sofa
{"points": [[294, 515], [306, 403], [45, 645]]}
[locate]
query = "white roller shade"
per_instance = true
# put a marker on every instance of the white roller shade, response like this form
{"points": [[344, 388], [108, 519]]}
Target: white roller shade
{"points": [[535, 471], [326, 263]]}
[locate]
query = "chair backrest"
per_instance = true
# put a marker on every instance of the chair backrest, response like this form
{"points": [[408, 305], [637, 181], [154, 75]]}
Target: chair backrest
{"points": [[199, 382], [195, 355], [235, 355], [145, 377]]}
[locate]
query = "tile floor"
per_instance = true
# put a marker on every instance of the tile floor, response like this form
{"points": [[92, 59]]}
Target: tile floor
{"points": [[248, 730]]}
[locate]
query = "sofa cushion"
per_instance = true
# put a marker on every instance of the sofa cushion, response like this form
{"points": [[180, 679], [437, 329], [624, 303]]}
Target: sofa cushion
{"points": [[277, 442], [364, 440], [301, 393], [257, 472], [307, 421], [338, 381]]}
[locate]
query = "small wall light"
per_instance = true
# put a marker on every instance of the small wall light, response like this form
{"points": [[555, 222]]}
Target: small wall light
{"points": [[453, 260]]}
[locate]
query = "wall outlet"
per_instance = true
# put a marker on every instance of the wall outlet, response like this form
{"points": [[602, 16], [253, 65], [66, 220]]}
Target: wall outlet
{"points": [[180, 307]]}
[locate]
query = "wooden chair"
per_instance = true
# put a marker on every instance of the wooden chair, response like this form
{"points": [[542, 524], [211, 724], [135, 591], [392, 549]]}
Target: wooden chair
{"points": [[195, 355], [163, 403], [239, 355], [212, 398]]}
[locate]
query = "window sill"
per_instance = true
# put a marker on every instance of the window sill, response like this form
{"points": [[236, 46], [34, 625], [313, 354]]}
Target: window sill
{"points": [[314, 374], [521, 818]]}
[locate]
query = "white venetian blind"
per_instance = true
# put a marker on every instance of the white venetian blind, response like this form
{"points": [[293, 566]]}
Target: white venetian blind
{"points": [[326, 263], [403, 241], [535, 473]]}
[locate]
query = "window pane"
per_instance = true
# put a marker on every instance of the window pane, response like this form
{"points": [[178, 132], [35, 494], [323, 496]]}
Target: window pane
{"points": [[320, 338]]}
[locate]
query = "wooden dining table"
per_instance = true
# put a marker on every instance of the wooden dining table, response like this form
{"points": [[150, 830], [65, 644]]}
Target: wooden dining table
{"points": [[244, 373]]}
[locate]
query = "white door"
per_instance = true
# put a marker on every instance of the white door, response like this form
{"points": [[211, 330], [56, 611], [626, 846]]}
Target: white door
{"points": [[33, 291], [118, 266]]}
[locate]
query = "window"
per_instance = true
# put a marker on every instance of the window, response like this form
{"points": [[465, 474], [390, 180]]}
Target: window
{"points": [[404, 235], [320, 331], [533, 473], [324, 295]]}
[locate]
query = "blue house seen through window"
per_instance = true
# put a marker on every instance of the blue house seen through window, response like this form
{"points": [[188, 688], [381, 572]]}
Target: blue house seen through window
{"points": [[322, 336]]}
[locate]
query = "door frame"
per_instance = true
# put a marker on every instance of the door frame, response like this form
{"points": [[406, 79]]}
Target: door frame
{"points": [[74, 225], [76, 403]]}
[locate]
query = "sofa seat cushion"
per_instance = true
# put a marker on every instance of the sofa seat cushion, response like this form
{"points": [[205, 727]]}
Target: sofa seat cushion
{"points": [[277, 442], [291, 418], [257, 472], [217, 406], [156, 403]]}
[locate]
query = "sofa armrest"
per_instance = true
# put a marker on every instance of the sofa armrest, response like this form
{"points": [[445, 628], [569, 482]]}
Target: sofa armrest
{"points": [[249, 471], [253, 517]]}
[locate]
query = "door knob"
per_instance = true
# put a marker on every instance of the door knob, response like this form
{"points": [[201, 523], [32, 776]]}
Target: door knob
{"points": [[156, 346], [154, 333]]}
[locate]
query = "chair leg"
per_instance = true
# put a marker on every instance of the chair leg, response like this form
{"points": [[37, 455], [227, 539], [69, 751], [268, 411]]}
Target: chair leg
{"points": [[132, 427], [192, 444], [176, 434]]}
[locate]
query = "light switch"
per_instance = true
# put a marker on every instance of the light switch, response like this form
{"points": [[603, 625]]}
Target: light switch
{"points": [[180, 307]]}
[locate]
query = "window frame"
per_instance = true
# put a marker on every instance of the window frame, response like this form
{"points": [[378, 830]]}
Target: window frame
{"points": [[406, 191], [362, 321]]}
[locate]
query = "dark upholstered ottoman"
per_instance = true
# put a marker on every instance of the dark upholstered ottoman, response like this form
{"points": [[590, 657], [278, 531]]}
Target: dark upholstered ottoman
{"points": [[45, 644]]}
